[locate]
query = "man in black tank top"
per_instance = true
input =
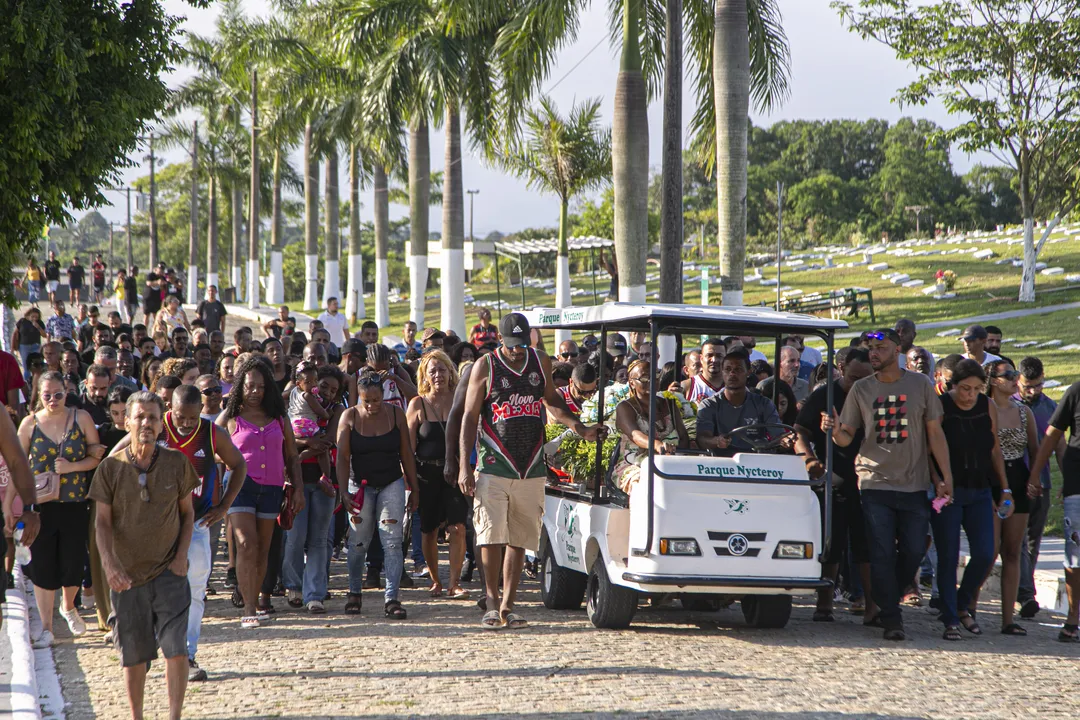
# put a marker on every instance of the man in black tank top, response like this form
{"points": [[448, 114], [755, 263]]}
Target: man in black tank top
{"points": [[507, 391]]}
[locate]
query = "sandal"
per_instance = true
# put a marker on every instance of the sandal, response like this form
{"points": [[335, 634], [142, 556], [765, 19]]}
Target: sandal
{"points": [[1069, 633], [895, 634], [968, 621], [492, 621], [952, 632], [394, 611], [296, 599], [249, 622], [435, 590], [913, 599], [823, 616], [513, 621], [353, 603], [459, 593], [874, 622], [858, 607], [237, 599], [1013, 629]]}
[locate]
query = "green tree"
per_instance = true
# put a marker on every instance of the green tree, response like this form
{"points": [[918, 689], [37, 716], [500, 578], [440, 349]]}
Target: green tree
{"points": [[60, 149], [563, 156], [1008, 69]]}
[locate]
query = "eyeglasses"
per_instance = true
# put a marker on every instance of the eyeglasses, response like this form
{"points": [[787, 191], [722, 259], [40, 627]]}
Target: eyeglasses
{"points": [[583, 392], [211, 391], [1008, 375], [143, 492], [568, 355]]}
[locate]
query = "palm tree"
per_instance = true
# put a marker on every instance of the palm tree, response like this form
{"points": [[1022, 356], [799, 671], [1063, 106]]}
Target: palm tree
{"points": [[564, 156]]}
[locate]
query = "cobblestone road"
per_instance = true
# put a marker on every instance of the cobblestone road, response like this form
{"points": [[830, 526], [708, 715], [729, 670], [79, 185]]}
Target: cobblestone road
{"points": [[671, 663]]}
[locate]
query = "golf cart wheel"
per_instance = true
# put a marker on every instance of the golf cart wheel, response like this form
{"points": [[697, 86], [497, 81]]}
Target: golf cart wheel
{"points": [[699, 602], [609, 606], [766, 611], [560, 588]]}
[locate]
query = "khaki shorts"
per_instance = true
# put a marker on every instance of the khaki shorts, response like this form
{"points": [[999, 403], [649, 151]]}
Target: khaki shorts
{"points": [[508, 511]]}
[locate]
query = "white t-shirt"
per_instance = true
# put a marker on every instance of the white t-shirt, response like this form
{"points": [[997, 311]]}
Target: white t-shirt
{"points": [[811, 355], [756, 354], [337, 326], [990, 357]]}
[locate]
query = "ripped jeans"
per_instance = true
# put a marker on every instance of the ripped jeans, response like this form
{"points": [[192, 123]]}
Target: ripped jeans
{"points": [[388, 504]]}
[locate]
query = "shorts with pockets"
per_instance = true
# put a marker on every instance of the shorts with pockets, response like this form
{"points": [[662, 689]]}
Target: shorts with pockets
{"points": [[52, 285], [151, 616], [58, 553], [262, 500], [508, 511], [439, 501]]}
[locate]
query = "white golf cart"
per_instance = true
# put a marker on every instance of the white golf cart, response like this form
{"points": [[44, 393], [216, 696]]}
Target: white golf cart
{"points": [[709, 529]]}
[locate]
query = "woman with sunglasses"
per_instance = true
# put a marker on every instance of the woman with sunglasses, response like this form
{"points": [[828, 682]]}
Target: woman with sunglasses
{"points": [[1017, 435], [62, 440], [632, 420], [256, 419]]}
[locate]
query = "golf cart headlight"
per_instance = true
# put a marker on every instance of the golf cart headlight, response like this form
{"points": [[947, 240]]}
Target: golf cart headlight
{"points": [[679, 546], [794, 551]]}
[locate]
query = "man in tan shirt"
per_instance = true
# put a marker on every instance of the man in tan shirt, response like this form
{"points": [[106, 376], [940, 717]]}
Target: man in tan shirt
{"points": [[144, 523]]}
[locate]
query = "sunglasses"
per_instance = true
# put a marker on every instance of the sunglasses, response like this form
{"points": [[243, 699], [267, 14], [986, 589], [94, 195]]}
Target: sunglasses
{"points": [[880, 336], [143, 492], [53, 396], [211, 391], [1008, 375], [568, 355], [585, 393]]}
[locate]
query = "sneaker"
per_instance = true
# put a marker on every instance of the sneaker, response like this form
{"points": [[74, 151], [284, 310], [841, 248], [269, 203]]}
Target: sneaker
{"points": [[315, 607], [371, 580], [44, 640], [230, 579], [195, 673], [1030, 609], [406, 581], [74, 622]]}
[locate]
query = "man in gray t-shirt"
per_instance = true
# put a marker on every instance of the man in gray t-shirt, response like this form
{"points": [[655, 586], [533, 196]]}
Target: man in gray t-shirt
{"points": [[900, 415], [732, 407]]}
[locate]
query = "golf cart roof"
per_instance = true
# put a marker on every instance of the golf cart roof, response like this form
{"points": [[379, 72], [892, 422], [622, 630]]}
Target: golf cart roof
{"points": [[686, 318]]}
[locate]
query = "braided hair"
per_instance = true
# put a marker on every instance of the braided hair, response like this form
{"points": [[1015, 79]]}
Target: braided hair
{"points": [[272, 404]]}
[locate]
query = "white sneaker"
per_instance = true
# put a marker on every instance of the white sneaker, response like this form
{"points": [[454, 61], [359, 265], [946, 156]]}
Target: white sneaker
{"points": [[44, 640], [88, 603], [74, 622]]}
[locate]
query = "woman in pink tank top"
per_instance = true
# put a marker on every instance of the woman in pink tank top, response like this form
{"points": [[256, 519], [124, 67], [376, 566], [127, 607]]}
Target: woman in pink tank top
{"points": [[255, 418]]}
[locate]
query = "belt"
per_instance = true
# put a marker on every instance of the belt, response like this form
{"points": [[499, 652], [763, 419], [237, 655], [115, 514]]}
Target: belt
{"points": [[435, 463]]}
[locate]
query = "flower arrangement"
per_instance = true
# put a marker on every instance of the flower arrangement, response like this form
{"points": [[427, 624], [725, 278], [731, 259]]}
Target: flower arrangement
{"points": [[946, 278]]}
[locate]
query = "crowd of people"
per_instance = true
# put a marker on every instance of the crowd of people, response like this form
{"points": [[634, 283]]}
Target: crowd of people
{"points": [[138, 453]]}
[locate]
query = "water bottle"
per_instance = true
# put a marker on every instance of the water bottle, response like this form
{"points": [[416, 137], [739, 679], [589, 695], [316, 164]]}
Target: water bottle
{"points": [[22, 552], [1003, 508]]}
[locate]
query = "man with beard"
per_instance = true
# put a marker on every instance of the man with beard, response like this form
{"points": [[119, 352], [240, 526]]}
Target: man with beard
{"points": [[202, 442], [709, 379], [203, 358], [993, 340], [731, 407], [178, 344], [216, 341], [750, 342], [144, 520], [901, 417], [692, 363], [789, 373], [96, 393]]}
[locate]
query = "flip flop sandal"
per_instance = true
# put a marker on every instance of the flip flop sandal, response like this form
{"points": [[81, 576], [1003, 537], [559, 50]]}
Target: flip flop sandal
{"points": [[1013, 629], [1069, 634], [249, 622], [895, 634], [874, 622], [492, 621], [237, 599], [296, 600], [972, 627], [394, 611], [353, 603], [952, 632], [858, 607], [436, 591], [824, 616], [459, 594], [515, 622]]}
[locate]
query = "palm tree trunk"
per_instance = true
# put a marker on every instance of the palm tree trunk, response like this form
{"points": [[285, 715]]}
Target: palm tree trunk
{"points": [[211, 232], [237, 203], [562, 270], [731, 89], [354, 303], [311, 221], [419, 197], [452, 278], [332, 232], [382, 243], [630, 163], [253, 290], [276, 292], [671, 217], [193, 229]]}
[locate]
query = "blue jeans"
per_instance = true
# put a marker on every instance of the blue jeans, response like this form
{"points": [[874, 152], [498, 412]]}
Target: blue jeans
{"points": [[388, 505], [24, 353], [974, 511], [308, 534], [896, 527], [197, 575]]}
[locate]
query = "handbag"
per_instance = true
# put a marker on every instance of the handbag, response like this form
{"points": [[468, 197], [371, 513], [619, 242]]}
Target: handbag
{"points": [[286, 515], [47, 484]]}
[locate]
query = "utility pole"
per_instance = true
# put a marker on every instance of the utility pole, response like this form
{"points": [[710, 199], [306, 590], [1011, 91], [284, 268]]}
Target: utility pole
{"points": [[193, 223], [153, 213], [111, 246], [253, 220], [127, 228], [472, 240], [779, 236]]}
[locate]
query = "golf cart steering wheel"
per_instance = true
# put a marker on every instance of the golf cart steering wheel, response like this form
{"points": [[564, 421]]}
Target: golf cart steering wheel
{"points": [[762, 437]]}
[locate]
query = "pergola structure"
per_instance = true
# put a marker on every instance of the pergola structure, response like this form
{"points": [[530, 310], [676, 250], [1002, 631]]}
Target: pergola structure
{"points": [[516, 250]]}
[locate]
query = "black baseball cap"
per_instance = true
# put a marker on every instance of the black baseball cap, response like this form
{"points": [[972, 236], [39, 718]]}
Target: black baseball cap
{"points": [[590, 342], [616, 344], [974, 332], [354, 346], [514, 329]]}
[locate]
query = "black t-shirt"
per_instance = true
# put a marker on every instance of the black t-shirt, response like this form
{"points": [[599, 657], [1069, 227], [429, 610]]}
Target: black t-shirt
{"points": [[1067, 419], [211, 314], [52, 270], [810, 418], [29, 334], [76, 275], [152, 291], [98, 414], [131, 289]]}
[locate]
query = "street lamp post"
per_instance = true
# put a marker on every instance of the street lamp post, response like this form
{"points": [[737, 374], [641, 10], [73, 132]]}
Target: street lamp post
{"points": [[472, 240]]}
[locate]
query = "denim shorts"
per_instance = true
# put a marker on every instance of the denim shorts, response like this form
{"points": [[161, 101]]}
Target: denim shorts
{"points": [[1072, 531], [262, 500]]}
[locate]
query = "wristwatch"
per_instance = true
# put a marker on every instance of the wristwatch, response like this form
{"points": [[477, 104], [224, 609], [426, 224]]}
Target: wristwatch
{"points": [[1006, 490]]}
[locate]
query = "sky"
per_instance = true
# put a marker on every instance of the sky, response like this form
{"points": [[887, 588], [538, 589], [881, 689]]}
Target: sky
{"points": [[835, 75]]}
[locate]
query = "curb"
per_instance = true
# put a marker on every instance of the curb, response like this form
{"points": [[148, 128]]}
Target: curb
{"points": [[1049, 586], [24, 684]]}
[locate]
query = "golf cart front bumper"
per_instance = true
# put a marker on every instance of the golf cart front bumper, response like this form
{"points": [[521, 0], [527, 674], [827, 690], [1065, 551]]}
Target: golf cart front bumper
{"points": [[719, 584]]}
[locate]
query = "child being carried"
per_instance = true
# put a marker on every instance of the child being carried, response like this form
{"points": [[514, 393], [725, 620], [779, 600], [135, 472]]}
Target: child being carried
{"points": [[307, 414]]}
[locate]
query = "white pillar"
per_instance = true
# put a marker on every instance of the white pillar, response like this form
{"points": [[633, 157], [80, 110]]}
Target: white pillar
{"points": [[192, 284], [453, 291], [235, 277], [253, 291], [211, 279], [332, 282], [382, 293], [418, 273], [632, 294], [732, 298], [562, 295], [275, 293], [311, 282], [665, 345], [354, 295]]}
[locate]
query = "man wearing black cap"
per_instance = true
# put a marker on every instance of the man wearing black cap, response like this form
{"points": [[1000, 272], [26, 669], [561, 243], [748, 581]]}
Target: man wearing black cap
{"points": [[616, 348], [508, 390], [901, 416], [974, 339], [353, 359]]}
